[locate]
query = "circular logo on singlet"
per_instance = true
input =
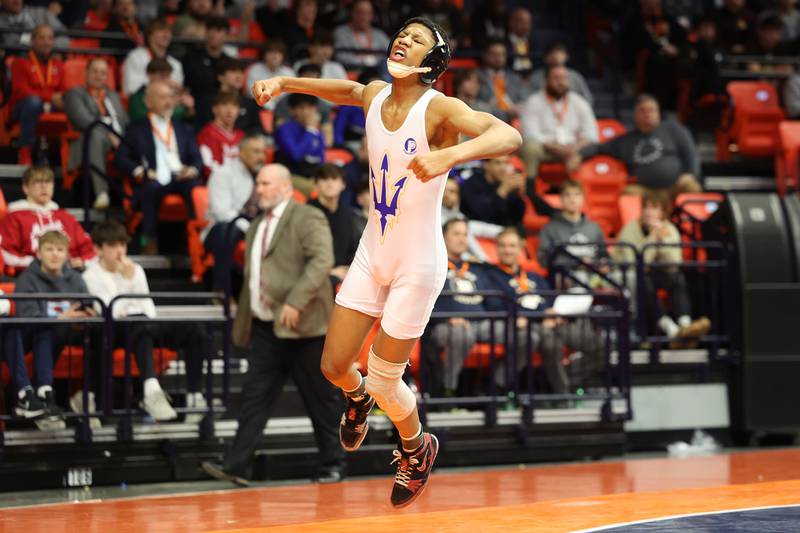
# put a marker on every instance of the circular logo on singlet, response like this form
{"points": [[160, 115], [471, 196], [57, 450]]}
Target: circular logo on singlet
{"points": [[410, 146]]}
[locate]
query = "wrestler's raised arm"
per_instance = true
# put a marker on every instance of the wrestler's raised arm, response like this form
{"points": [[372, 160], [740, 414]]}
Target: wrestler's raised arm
{"points": [[339, 92]]}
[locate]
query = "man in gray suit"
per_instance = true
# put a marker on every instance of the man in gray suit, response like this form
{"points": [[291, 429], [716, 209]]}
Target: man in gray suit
{"points": [[283, 312], [84, 105]]}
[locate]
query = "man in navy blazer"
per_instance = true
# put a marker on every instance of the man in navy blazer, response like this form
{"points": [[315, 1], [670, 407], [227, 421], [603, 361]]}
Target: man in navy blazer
{"points": [[162, 157]]}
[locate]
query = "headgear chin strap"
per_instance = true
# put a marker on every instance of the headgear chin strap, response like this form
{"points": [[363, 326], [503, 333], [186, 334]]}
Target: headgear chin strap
{"points": [[435, 61], [399, 70]]}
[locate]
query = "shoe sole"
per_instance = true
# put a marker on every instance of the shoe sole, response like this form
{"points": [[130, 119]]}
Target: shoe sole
{"points": [[416, 495], [221, 475], [29, 414], [357, 445]]}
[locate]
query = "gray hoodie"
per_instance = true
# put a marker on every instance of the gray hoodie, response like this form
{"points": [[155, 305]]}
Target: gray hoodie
{"points": [[35, 280], [561, 231]]}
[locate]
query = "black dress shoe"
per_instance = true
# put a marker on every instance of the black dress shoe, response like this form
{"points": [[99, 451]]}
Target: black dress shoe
{"points": [[330, 476], [215, 470]]}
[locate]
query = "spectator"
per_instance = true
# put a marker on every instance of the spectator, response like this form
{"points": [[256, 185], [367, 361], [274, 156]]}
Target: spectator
{"points": [[519, 42], [557, 55], [457, 336], [660, 155], [654, 228], [230, 194], [273, 57], [324, 108], [159, 69], [467, 84], [706, 78], [192, 23], [573, 229], [349, 125], [446, 15], [200, 65], [736, 26], [230, 75], [330, 185], [161, 156], [27, 220], [658, 43], [451, 208], [493, 195], [293, 26], [787, 11], [283, 315], [489, 22], [498, 83], [124, 21], [115, 273], [300, 143], [320, 53], [556, 124], [37, 87], [219, 139], [48, 273], [553, 333], [158, 37], [85, 105], [21, 20], [768, 45], [359, 34]]}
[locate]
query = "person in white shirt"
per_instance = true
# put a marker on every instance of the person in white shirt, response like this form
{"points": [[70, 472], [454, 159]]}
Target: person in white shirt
{"points": [[359, 34], [556, 123], [134, 69], [115, 273]]}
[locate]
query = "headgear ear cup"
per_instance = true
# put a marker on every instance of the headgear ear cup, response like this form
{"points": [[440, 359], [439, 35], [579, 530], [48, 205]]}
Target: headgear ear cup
{"points": [[437, 57]]}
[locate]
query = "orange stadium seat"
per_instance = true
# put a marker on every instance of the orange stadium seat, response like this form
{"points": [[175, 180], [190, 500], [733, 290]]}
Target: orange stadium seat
{"points": [[3, 205], [750, 126], [200, 259], [608, 128], [603, 179], [787, 172], [75, 72]]}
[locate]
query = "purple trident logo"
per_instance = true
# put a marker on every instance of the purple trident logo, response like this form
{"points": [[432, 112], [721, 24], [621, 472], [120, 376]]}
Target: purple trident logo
{"points": [[381, 206]]}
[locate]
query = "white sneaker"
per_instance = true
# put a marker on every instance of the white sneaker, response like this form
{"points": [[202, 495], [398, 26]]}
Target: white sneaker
{"points": [[195, 400], [157, 406], [50, 423], [102, 201], [76, 404]]}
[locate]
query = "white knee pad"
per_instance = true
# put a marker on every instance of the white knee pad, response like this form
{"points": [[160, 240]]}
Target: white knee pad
{"points": [[385, 384]]}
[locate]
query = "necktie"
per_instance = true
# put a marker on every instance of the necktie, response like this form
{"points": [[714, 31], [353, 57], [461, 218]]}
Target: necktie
{"points": [[264, 247]]}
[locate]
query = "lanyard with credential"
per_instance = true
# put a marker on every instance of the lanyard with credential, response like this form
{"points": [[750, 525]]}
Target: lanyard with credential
{"points": [[522, 280], [38, 68], [460, 272], [166, 140]]}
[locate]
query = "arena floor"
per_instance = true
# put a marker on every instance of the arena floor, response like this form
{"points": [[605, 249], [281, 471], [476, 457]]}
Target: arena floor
{"points": [[737, 491]]}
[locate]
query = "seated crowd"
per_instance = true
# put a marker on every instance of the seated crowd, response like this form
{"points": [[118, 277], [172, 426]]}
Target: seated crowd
{"points": [[178, 117]]}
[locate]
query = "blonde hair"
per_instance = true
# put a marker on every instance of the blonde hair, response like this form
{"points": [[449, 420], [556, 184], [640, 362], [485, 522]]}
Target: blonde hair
{"points": [[54, 236]]}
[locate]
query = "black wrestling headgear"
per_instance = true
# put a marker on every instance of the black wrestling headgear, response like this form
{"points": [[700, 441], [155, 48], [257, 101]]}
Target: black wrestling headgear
{"points": [[437, 57]]}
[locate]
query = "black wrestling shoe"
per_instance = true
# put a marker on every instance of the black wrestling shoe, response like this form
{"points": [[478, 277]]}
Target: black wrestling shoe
{"points": [[413, 471], [354, 425]]}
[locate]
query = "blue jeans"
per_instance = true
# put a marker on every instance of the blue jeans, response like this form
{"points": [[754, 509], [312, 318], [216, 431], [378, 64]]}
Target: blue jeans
{"points": [[43, 341], [148, 196], [27, 112]]}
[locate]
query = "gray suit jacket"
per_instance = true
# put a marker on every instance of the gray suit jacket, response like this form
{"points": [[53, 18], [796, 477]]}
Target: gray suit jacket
{"points": [[296, 272], [82, 110]]}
